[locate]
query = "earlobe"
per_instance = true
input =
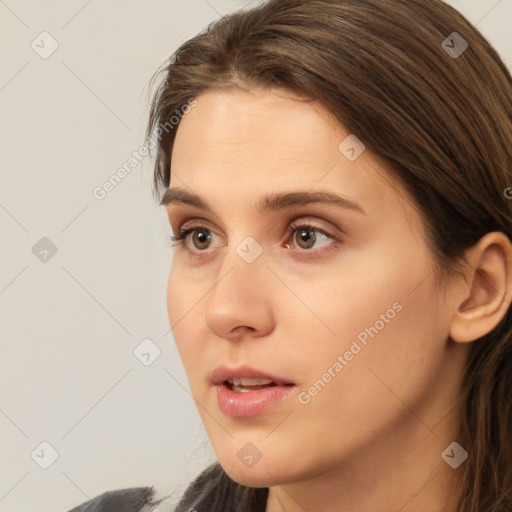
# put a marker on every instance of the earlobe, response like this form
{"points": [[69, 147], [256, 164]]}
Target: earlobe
{"points": [[485, 298]]}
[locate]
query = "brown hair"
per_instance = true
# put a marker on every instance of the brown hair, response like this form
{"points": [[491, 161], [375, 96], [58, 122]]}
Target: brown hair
{"points": [[441, 121]]}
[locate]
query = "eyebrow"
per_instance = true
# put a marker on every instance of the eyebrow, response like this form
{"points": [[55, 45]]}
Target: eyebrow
{"points": [[267, 203]]}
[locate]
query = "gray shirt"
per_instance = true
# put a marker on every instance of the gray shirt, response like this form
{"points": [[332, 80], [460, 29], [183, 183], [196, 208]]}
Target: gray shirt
{"points": [[134, 499]]}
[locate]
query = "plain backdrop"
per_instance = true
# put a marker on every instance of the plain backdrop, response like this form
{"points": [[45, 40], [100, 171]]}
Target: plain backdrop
{"points": [[83, 280]]}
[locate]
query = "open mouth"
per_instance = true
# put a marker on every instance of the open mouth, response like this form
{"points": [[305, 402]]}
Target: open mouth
{"points": [[246, 385], [246, 392]]}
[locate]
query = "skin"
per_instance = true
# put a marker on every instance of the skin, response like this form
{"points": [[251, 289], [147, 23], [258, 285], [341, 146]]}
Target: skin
{"points": [[372, 438]]}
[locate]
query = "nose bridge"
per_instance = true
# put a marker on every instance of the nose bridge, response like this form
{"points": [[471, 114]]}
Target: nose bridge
{"points": [[240, 297], [246, 259], [241, 273]]}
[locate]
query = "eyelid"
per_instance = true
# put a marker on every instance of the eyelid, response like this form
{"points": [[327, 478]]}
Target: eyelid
{"points": [[183, 222], [332, 231], [192, 224]]}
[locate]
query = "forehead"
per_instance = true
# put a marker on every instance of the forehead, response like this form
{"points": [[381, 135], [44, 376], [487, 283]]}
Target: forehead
{"points": [[275, 120], [259, 135], [238, 144]]}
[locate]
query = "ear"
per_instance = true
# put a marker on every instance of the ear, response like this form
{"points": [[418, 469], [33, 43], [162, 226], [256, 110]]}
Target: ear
{"points": [[486, 296]]}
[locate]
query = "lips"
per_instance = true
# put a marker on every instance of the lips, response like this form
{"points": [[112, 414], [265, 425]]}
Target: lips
{"points": [[247, 377], [245, 391]]}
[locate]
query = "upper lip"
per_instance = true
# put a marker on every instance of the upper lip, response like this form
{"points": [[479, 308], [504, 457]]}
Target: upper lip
{"points": [[222, 373]]}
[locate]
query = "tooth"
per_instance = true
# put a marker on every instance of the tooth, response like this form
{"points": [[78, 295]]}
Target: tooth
{"points": [[238, 389], [246, 381]]}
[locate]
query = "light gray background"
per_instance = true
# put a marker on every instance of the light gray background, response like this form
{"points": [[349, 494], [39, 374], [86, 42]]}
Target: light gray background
{"points": [[69, 326]]}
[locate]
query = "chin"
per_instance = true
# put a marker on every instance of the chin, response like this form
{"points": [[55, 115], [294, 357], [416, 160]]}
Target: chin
{"points": [[251, 477], [266, 472]]}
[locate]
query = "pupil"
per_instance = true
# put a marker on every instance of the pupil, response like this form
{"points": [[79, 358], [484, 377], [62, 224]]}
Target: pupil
{"points": [[308, 236], [201, 237]]}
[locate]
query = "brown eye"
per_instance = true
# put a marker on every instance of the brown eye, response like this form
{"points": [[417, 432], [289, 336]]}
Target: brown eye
{"points": [[201, 238], [305, 238], [310, 239]]}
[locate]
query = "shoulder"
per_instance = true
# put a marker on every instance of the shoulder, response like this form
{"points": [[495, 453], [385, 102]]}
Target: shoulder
{"points": [[134, 499]]}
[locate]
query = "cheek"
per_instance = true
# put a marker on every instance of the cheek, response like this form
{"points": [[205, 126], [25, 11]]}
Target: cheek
{"points": [[391, 336], [175, 289], [385, 319], [182, 314]]}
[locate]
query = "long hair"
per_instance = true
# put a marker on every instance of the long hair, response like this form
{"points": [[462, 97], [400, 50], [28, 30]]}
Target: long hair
{"points": [[424, 90]]}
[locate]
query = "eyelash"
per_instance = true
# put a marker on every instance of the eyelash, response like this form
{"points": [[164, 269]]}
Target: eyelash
{"points": [[183, 234]]}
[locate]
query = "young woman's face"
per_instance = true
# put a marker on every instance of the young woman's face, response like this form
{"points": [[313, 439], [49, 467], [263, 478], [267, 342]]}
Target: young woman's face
{"points": [[332, 304]]}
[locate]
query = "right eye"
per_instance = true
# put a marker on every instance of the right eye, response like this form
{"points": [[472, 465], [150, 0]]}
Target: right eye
{"points": [[201, 238]]}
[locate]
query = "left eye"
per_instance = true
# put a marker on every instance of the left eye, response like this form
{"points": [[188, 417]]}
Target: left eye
{"points": [[306, 235]]}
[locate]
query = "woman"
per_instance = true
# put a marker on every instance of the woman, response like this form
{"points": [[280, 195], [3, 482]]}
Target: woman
{"points": [[337, 177]]}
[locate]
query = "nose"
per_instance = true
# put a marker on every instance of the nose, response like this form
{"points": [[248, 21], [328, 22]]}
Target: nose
{"points": [[240, 303]]}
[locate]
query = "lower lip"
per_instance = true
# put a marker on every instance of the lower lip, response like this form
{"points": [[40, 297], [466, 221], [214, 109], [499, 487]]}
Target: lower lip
{"points": [[251, 403]]}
